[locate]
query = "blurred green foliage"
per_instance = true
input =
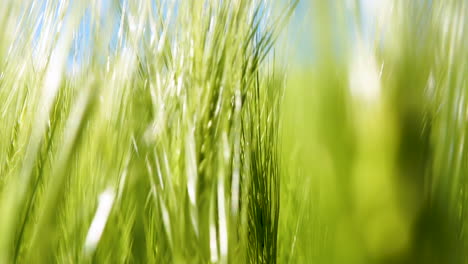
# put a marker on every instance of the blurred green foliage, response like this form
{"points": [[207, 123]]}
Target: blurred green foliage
{"points": [[374, 136]]}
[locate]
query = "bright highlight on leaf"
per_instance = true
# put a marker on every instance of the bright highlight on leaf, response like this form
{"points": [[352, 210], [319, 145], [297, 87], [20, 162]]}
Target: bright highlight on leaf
{"points": [[106, 200]]}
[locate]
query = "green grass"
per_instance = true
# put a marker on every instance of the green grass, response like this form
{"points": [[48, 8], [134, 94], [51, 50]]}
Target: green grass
{"points": [[187, 132], [162, 149]]}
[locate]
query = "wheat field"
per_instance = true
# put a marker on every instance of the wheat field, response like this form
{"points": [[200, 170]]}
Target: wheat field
{"points": [[233, 131]]}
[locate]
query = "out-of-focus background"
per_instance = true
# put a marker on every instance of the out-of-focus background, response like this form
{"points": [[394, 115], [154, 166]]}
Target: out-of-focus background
{"points": [[374, 131]]}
